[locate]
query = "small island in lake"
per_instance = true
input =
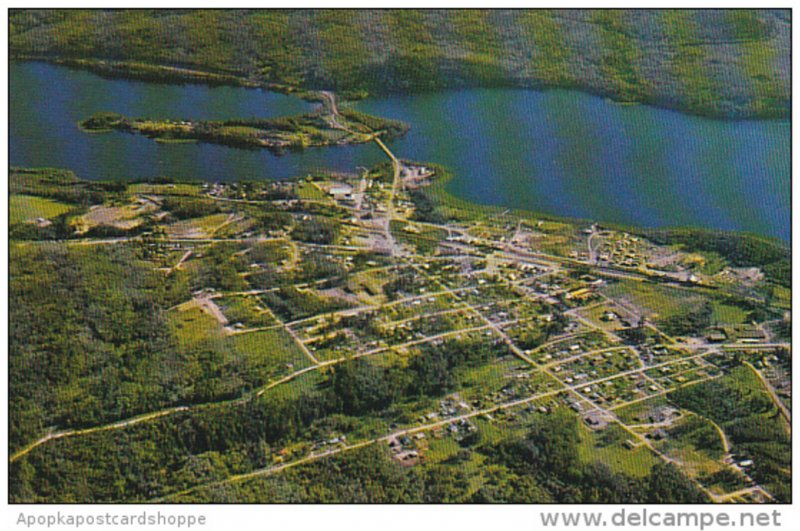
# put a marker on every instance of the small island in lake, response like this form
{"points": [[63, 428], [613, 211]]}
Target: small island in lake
{"points": [[326, 126]]}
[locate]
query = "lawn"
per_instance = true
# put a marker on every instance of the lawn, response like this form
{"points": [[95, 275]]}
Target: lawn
{"points": [[728, 314], [245, 310], [192, 326], [368, 286], [25, 207], [607, 447], [235, 228], [309, 190], [164, 189], [273, 351], [125, 216], [596, 315], [203, 227], [425, 239], [640, 412], [655, 300], [274, 253], [695, 442], [782, 297]]}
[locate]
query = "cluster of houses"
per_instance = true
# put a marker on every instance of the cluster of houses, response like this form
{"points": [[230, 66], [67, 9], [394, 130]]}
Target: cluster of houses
{"points": [[415, 176], [404, 448], [740, 333], [336, 441], [623, 251]]}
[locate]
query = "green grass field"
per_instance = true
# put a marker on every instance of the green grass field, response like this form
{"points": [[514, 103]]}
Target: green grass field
{"points": [[25, 207], [308, 190], [273, 349], [695, 442], [657, 300], [639, 412], [728, 314], [245, 310], [192, 326], [607, 447], [197, 227], [165, 189]]}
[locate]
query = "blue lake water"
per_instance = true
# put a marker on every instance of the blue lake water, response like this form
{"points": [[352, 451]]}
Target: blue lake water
{"points": [[560, 152]]}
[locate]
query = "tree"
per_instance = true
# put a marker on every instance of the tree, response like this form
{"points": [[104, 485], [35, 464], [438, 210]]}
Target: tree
{"points": [[552, 444], [693, 322], [505, 487], [635, 335], [556, 325], [315, 230], [445, 484], [433, 374], [599, 484], [667, 484], [360, 387]]}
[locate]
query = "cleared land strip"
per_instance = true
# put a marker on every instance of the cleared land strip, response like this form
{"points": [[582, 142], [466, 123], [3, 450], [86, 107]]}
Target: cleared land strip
{"points": [[177, 266], [86, 431]]}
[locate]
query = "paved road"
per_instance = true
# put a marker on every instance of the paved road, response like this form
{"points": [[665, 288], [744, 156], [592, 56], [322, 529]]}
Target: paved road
{"points": [[390, 212]]}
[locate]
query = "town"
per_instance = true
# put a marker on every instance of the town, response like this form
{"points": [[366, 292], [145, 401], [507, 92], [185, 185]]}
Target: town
{"points": [[297, 278]]}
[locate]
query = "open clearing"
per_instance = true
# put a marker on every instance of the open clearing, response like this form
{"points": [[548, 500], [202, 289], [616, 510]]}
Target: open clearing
{"points": [[27, 207]]}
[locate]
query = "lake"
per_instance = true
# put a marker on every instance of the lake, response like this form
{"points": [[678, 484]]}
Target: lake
{"points": [[560, 152]]}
